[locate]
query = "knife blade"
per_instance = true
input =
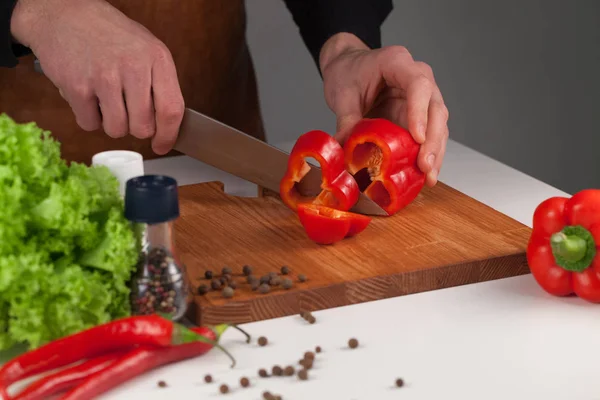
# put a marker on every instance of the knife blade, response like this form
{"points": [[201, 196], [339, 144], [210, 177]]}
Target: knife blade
{"points": [[247, 157]]}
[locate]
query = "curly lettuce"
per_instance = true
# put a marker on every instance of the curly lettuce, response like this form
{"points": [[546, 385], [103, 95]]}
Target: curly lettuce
{"points": [[66, 250]]}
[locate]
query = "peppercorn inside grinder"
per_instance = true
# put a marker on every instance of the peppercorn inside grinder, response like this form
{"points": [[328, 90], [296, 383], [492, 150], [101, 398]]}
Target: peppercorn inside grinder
{"points": [[160, 283]]}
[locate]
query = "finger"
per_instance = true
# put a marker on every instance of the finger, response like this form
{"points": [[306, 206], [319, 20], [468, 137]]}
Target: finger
{"points": [[431, 154], [169, 104], [138, 99], [399, 70], [348, 112], [112, 105], [84, 104]]}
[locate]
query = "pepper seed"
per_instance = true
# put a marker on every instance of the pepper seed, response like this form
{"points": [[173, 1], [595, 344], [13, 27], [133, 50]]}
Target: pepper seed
{"points": [[227, 292], [287, 283], [208, 274], [264, 288], [233, 284], [309, 355], [265, 279], [275, 281], [285, 270], [226, 270], [215, 284], [247, 270], [208, 378], [267, 395], [302, 278], [245, 382], [318, 349], [353, 343], [254, 284], [277, 370], [263, 373], [162, 384], [399, 382], [224, 388], [303, 374], [262, 341], [289, 371]]}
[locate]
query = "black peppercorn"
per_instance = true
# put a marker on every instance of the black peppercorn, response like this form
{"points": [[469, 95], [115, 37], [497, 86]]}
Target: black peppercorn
{"points": [[302, 278], [227, 292], [254, 284], [247, 270], [215, 284], [226, 270], [263, 373], [289, 371], [303, 374], [223, 280], [208, 378], [232, 284], [285, 270], [287, 283], [399, 382], [277, 370], [309, 355], [353, 343], [245, 382], [224, 388], [208, 274], [262, 341], [264, 288], [275, 281], [202, 289], [265, 279], [318, 349], [162, 384], [251, 278]]}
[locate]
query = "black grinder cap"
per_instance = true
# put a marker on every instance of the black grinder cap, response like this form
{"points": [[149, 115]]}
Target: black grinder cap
{"points": [[151, 199]]}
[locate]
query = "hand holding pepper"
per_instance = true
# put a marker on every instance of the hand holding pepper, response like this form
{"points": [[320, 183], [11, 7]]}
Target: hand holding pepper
{"points": [[385, 83]]}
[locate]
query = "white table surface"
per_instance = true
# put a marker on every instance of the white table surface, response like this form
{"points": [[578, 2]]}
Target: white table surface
{"points": [[504, 339]]}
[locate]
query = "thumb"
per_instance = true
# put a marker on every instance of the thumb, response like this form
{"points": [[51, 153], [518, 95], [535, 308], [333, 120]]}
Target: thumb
{"points": [[348, 112]]}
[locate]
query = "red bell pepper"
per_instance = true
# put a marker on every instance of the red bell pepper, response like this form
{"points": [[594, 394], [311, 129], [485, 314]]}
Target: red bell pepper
{"points": [[382, 157], [325, 225], [562, 249], [339, 189]]}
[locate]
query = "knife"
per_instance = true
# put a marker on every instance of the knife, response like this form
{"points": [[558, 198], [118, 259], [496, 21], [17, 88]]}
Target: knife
{"points": [[246, 157]]}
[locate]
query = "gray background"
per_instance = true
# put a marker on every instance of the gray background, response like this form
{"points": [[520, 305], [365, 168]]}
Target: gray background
{"points": [[520, 78]]}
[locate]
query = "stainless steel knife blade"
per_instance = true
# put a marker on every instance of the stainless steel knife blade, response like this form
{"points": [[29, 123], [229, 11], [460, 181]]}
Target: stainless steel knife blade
{"points": [[246, 157]]}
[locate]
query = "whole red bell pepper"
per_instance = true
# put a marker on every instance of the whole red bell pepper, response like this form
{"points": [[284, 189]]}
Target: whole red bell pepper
{"points": [[325, 225], [339, 189], [562, 249], [382, 157]]}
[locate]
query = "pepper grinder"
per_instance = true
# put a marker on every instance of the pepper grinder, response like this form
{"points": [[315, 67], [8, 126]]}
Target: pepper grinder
{"points": [[160, 283]]}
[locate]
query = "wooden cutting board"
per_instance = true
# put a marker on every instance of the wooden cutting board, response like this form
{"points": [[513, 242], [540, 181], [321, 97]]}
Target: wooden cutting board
{"points": [[443, 239]]}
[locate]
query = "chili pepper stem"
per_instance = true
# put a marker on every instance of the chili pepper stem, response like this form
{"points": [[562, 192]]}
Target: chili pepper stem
{"points": [[248, 337], [182, 335], [573, 248]]}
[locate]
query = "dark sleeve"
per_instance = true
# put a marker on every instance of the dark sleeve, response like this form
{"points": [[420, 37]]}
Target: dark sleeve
{"points": [[318, 20], [9, 50]]}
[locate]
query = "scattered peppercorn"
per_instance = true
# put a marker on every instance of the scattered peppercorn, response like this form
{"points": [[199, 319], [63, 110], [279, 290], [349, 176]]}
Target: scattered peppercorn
{"points": [[233, 284], [224, 388], [303, 374], [228, 292], [318, 349], [227, 277], [267, 395], [208, 274], [245, 382], [309, 355], [162, 384], [302, 278], [202, 289], [262, 341], [251, 278], [353, 343], [215, 284], [399, 382], [306, 363], [287, 283], [275, 281], [289, 371], [277, 370], [263, 373], [226, 270], [223, 280], [254, 284], [264, 288], [247, 270], [285, 270], [265, 279], [208, 378]]}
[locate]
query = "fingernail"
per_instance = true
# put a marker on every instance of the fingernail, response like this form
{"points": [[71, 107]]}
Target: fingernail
{"points": [[421, 129], [430, 159], [433, 175]]}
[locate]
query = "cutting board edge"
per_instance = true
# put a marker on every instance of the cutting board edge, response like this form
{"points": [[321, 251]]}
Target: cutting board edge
{"points": [[358, 291]]}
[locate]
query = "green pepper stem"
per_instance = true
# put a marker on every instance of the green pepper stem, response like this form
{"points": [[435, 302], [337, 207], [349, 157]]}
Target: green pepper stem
{"points": [[182, 335], [569, 247]]}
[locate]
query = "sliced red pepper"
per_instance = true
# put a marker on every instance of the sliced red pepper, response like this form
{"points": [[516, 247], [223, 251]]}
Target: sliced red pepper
{"points": [[382, 157], [562, 249], [325, 225], [124, 333], [339, 189]]}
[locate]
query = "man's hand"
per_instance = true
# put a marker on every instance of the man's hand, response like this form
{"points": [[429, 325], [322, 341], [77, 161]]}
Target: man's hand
{"points": [[385, 83], [111, 70]]}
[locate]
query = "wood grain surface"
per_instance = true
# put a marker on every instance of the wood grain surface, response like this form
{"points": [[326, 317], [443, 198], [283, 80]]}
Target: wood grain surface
{"points": [[443, 239]]}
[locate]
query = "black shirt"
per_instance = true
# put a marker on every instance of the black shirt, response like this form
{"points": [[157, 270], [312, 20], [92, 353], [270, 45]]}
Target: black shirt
{"points": [[317, 21]]}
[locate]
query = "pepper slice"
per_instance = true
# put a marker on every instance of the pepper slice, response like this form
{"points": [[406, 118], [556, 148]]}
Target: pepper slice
{"points": [[382, 157], [339, 189], [326, 225], [562, 249]]}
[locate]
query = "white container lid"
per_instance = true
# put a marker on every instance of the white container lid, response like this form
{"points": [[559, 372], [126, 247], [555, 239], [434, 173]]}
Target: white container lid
{"points": [[124, 164]]}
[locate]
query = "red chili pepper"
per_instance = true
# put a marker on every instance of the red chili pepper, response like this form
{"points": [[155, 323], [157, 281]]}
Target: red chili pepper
{"points": [[66, 378], [72, 376], [325, 225], [139, 361], [382, 157], [125, 333], [562, 249], [339, 189]]}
